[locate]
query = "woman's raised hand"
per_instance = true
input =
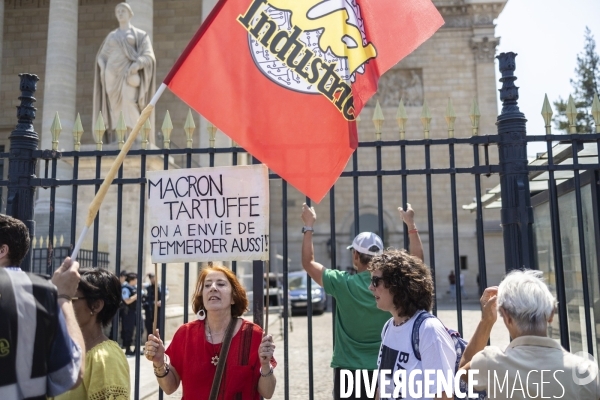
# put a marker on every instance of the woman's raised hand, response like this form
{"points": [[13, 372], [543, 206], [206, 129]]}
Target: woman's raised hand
{"points": [[266, 349], [154, 349]]}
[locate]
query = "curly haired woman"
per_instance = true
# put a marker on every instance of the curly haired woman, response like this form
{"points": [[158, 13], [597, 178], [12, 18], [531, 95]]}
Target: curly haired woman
{"points": [[402, 285]]}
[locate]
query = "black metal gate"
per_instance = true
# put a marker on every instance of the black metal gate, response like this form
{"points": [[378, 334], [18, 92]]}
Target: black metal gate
{"points": [[575, 166]]}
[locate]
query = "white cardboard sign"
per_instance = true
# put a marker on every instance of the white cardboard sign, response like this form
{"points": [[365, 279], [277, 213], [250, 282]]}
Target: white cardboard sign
{"points": [[209, 214]]}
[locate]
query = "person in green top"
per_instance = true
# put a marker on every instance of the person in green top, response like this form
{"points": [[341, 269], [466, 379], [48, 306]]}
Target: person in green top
{"points": [[358, 321]]}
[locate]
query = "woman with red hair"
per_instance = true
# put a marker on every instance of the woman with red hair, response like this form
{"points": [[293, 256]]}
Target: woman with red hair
{"points": [[194, 352]]}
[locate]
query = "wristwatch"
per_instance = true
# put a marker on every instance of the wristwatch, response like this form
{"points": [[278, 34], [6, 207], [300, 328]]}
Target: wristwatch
{"points": [[307, 228]]}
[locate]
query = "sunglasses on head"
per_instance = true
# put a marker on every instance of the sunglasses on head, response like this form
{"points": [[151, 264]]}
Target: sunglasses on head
{"points": [[375, 280]]}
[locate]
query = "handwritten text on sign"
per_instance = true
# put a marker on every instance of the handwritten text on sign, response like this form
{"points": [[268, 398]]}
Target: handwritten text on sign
{"points": [[209, 214]]}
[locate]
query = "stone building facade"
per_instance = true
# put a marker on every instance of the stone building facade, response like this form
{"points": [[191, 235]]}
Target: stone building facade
{"points": [[58, 40]]}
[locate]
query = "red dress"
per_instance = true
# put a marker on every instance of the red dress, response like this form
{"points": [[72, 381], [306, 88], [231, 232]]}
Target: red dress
{"points": [[191, 356]]}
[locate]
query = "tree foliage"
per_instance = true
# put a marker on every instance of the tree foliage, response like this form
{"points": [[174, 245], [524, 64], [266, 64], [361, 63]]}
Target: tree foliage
{"points": [[585, 85]]}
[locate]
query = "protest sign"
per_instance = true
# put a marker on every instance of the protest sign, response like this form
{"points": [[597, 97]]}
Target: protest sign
{"points": [[209, 214]]}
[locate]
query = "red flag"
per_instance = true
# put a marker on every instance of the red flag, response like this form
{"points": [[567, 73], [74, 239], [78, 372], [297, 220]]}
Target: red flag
{"points": [[286, 79]]}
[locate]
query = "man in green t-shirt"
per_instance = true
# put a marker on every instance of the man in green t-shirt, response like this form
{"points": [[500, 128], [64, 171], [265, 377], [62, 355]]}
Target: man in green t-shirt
{"points": [[358, 321]]}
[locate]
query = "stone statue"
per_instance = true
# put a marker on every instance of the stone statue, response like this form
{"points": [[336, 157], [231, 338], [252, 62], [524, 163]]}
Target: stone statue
{"points": [[124, 77]]}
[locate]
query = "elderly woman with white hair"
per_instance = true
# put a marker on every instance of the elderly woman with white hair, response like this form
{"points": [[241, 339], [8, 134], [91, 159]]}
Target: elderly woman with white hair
{"points": [[533, 365]]}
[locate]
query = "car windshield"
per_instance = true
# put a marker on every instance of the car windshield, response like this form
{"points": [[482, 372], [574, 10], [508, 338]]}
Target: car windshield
{"points": [[299, 282]]}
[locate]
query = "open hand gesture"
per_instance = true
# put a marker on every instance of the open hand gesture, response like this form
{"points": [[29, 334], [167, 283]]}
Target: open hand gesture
{"points": [[309, 216], [488, 300], [408, 216]]}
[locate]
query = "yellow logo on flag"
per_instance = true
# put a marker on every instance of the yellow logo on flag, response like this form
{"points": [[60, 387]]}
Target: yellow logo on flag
{"points": [[341, 25], [310, 46]]}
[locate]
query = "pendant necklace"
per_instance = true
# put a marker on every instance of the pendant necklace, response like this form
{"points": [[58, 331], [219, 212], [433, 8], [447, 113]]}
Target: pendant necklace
{"points": [[215, 359], [394, 323]]}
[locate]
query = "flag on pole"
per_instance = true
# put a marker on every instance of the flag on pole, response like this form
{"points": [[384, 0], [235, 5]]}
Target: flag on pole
{"points": [[286, 79]]}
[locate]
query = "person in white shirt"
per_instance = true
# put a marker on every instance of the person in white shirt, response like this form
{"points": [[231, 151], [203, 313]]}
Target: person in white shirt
{"points": [[402, 285], [463, 293], [533, 365]]}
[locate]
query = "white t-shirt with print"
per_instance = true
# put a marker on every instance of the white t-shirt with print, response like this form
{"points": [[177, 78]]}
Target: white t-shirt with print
{"points": [[436, 348]]}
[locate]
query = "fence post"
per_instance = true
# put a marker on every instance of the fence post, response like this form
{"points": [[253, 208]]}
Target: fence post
{"points": [[21, 167], [517, 214]]}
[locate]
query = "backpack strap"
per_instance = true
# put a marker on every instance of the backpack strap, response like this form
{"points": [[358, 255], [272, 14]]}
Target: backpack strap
{"points": [[386, 327], [415, 332]]}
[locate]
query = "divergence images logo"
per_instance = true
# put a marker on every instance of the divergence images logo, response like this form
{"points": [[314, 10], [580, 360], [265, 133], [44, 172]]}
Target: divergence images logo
{"points": [[587, 370], [310, 46]]}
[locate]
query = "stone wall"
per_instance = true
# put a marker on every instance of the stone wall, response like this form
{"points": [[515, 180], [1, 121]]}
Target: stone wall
{"points": [[175, 22], [24, 50]]}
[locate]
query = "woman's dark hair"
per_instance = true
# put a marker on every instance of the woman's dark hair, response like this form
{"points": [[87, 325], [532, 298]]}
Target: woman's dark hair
{"points": [[100, 284], [408, 279]]}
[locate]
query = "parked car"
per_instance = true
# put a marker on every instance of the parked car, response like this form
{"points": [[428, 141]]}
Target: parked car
{"points": [[275, 293], [297, 286]]}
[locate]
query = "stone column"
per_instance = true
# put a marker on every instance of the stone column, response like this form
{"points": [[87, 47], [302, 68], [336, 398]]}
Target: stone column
{"points": [[60, 81], [483, 43], [1, 33], [484, 51]]}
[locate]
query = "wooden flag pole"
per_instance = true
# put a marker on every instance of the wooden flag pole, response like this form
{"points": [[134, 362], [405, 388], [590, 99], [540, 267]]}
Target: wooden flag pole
{"points": [[155, 299], [110, 176], [267, 305]]}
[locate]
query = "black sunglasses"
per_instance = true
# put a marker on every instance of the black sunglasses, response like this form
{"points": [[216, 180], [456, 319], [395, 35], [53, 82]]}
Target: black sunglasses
{"points": [[375, 280]]}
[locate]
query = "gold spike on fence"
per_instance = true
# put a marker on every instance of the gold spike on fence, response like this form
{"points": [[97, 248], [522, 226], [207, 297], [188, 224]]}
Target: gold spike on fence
{"points": [[41, 242], [572, 115], [99, 130], [401, 118], [596, 112], [62, 240], [55, 129], [475, 115], [34, 242], [121, 129], [547, 115], [189, 128], [77, 133], [167, 128], [212, 132], [426, 119], [146, 128], [450, 118], [378, 121]]}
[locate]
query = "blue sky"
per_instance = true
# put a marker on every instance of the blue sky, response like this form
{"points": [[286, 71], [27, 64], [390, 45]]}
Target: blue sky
{"points": [[547, 35]]}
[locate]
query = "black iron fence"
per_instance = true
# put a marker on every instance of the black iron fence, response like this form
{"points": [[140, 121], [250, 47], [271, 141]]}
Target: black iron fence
{"points": [[388, 164]]}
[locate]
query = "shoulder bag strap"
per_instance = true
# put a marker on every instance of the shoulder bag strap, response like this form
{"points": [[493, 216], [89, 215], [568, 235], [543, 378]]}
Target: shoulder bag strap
{"points": [[214, 391]]}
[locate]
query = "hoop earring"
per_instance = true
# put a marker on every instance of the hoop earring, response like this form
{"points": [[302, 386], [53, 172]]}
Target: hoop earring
{"points": [[201, 314]]}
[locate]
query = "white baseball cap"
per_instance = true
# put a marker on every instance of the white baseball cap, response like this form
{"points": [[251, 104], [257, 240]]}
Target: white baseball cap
{"points": [[365, 241]]}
